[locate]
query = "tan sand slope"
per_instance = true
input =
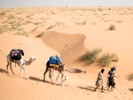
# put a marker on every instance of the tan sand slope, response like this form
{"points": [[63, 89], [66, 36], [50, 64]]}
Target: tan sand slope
{"points": [[76, 87], [70, 46]]}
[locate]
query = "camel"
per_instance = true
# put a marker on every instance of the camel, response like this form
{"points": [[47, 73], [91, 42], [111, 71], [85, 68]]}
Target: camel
{"points": [[61, 68], [20, 63]]}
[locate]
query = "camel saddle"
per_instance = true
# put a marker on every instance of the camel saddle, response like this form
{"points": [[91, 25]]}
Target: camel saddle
{"points": [[57, 66], [15, 54], [54, 65]]}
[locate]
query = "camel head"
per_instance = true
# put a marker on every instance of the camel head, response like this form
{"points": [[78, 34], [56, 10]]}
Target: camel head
{"points": [[32, 58]]}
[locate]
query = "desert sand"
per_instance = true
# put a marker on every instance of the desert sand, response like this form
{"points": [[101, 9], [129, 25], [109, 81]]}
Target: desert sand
{"points": [[68, 32]]}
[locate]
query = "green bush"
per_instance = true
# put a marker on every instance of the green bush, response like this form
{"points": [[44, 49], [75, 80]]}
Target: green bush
{"points": [[4, 28], [22, 32], [104, 60], [90, 56], [15, 26], [107, 59]]}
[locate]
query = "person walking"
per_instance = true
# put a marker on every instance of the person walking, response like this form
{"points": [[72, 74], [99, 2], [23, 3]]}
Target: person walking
{"points": [[99, 82], [111, 82]]}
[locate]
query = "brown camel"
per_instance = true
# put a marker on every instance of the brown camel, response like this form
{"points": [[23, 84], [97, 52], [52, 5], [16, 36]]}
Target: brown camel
{"points": [[61, 68]]}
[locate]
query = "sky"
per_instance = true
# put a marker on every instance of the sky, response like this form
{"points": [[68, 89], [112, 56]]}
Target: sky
{"points": [[44, 3]]}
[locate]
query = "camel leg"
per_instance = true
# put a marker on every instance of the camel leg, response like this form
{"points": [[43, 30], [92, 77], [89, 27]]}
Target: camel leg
{"points": [[57, 76], [25, 72], [50, 75], [22, 68], [44, 74], [7, 67], [9, 63], [21, 72], [53, 72], [62, 81], [11, 69]]}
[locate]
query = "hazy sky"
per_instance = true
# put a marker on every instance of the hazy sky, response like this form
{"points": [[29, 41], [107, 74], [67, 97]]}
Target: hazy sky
{"points": [[43, 3]]}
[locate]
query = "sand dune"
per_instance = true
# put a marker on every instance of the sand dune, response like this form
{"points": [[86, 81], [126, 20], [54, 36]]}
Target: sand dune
{"points": [[68, 32], [70, 46]]}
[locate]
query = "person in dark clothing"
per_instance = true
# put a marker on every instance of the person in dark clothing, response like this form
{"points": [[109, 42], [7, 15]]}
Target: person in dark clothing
{"points": [[111, 82]]}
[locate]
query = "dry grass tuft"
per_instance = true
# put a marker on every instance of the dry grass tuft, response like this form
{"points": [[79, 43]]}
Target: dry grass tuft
{"points": [[112, 27], [90, 56]]}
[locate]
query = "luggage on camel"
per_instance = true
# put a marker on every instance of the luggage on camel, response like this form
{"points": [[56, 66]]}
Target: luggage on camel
{"points": [[21, 52], [52, 60], [15, 54], [58, 59], [55, 61]]}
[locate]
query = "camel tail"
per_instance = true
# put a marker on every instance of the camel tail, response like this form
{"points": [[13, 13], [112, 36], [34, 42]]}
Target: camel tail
{"points": [[68, 69]]}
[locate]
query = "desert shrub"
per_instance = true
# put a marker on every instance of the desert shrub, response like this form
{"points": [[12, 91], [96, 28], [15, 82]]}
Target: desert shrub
{"points": [[40, 34], [10, 16], [15, 25], [130, 77], [51, 26], [104, 60], [37, 23], [2, 13], [81, 23], [90, 56], [84, 23], [114, 58], [3, 28], [112, 27], [107, 59], [22, 32]]}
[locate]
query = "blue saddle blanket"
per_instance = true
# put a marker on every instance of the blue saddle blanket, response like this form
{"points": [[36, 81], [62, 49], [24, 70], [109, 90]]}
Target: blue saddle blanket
{"points": [[55, 60]]}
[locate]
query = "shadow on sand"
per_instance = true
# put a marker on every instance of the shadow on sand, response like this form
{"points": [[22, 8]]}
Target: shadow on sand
{"points": [[3, 71], [7, 73], [90, 88], [35, 79], [40, 80]]}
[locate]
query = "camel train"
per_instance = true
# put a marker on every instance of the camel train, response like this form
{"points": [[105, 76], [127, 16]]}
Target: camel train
{"points": [[54, 63]]}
